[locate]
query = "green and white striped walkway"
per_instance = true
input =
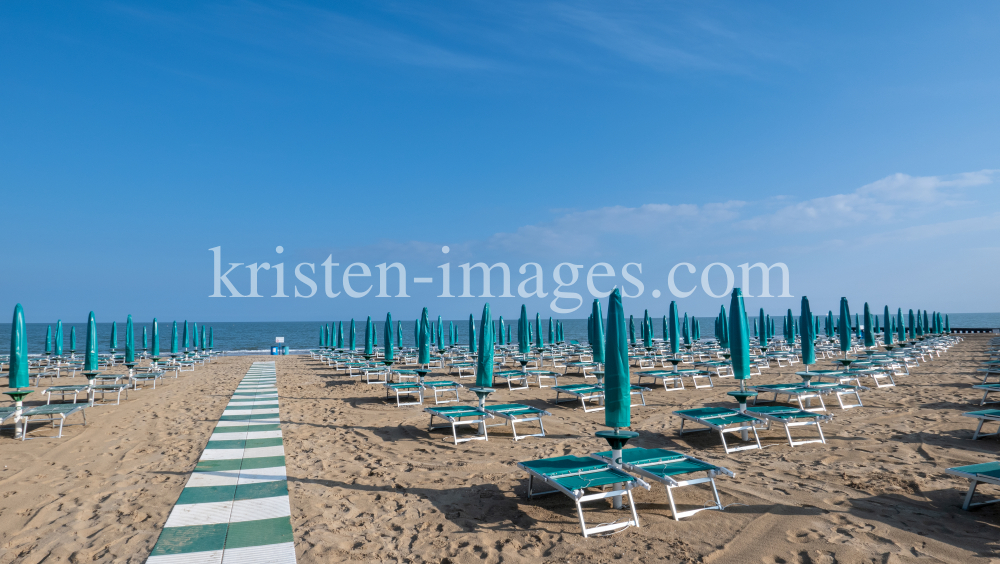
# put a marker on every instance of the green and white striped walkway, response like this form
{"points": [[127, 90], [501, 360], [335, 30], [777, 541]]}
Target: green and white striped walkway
{"points": [[235, 507]]}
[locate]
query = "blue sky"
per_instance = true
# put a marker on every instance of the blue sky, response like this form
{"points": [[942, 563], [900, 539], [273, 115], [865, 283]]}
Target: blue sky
{"points": [[854, 142]]}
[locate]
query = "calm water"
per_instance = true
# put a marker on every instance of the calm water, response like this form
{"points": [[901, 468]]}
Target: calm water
{"points": [[259, 336]]}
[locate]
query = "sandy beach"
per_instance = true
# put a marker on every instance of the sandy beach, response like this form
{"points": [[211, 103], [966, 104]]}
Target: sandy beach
{"points": [[368, 483]]}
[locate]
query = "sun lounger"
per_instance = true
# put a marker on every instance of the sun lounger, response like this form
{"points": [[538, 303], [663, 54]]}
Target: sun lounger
{"points": [[582, 392], [145, 377], [789, 417], [987, 473], [573, 475], [442, 387], [540, 375], [63, 391], [405, 389], [512, 376], [516, 413], [117, 388], [456, 415], [840, 391], [666, 467], [987, 388], [676, 379], [7, 413], [722, 420], [55, 412], [798, 391], [984, 416]]}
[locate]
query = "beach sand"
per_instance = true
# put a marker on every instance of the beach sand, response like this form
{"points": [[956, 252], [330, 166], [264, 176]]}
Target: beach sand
{"points": [[368, 483]]}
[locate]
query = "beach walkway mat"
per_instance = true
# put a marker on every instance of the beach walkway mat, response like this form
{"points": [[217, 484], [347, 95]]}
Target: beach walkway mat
{"points": [[234, 508]]}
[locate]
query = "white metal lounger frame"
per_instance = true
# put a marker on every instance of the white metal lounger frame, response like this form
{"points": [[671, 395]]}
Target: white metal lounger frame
{"points": [[798, 392], [983, 418], [406, 389], [111, 388], [579, 496], [445, 386], [987, 388], [454, 422], [796, 422], [58, 416], [975, 479], [723, 429], [513, 418], [584, 394]]}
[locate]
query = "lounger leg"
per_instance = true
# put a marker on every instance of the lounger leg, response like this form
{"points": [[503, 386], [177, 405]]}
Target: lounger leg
{"points": [[979, 428], [631, 504], [820, 429], [968, 496], [715, 491], [673, 506], [583, 524]]}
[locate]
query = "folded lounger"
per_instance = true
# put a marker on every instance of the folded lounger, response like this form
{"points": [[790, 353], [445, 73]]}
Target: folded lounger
{"points": [[573, 475], [442, 386], [987, 472], [455, 415], [56, 412], [516, 413], [983, 416], [722, 420], [63, 391], [405, 389], [987, 388], [789, 417], [666, 467]]}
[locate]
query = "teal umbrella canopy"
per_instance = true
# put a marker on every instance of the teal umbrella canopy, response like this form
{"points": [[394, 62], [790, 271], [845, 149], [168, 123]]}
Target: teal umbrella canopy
{"points": [[211, 338], [869, 333], [755, 328], [763, 327], [739, 338], [58, 346], [598, 342], [184, 335], [947, 324], [369, 333], [590, 329], [114, 335], [631, 330], [48, 339], [387, 340], [911, 325], [674, 329], [724, 322], [155, 337], [523, 344], [844, 328], [484, 362], [829, 323], [808, 333], [129, 340], [538, 331], [472, 334], [926, 325], [552, 333], [352, 335], [666, 329], [322, 341], [500, 327], [145, 340], [697, 329], [647, 330], [617, 383], [90, 359], [194, 335], [173, 338], [508, 333], [451, 333], [201, 342], [72, 339], [399, 334], [789, 336], [416, 332], [17, 368], [887, 326], [440, 333], [424, 339], [687, 330]]}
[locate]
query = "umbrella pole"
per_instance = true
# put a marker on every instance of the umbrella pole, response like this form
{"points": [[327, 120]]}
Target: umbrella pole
{"points": [[616, 460]]}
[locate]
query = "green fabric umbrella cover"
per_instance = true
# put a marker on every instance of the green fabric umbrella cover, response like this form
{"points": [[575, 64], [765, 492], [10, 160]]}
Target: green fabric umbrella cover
{"points": [[523, 344], [155, 337], [887, 329], [387, 340], [48, 339], [617, 383], [129, 341], [58, 345], [844, 328], [440, 334], [598, 343], [647, 331], [673, 323], [72, 339], [352, 334], [724, 321], [808, 335], [399, 334], [739, 338], [90, 359], [552, 336], [173, 339], [869, 333], [424, 340], [538, 331], [472, 334], [114, 335], [368, 337], [484, 362], [145, 339], [687, 330], [500, 327], [184, 335], [194, 336], [631, 331], [17, 369]]}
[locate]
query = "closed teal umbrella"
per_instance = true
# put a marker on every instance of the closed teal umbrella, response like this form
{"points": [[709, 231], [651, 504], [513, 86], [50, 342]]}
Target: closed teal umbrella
{"points": [[173, 339], [114, 336], [911, 326], [129, 341], [926, 326], [48, 340], [674, 325], [155, 337], [322, 341], [687, 331], [353, 336], [724, 340], [508, 340], [424, 340], [869, 334], [416, 332], [484, 362], [368, 337], [399, 334], [451, 333], [201, 342], [808, 334], [472, 334], [617, 383], [647, 331], [947, 324], [340, 334], [500, 326], [552, 336], [184, 335], [763, 328], [194, 336], [829, 324], [388, 356], [440, 334], [538, 331], [739, 339], [90, 358], [598, 343], [211, 338], [17, 369], [59, 338], [696, 323], [72, 339], [887, 329], [844, 328], [374, 336], [631, 330], [523, 344], [145, 340], [666, 329]]}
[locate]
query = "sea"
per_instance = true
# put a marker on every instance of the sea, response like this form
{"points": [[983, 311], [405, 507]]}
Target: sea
{"points": [[257, 337]]}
